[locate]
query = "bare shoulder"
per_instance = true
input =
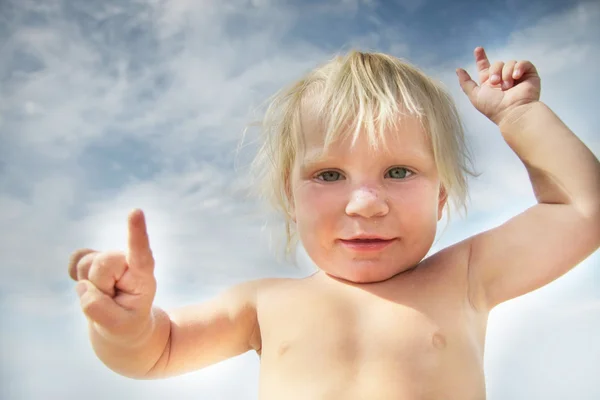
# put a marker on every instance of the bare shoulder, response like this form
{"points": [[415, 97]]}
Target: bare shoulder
{"points": [[448, 270], [269, 290], [449, 261], [245, 296], [251, 295]]}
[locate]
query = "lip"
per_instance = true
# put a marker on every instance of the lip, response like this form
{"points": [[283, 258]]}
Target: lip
{"points": [[366, 243]]}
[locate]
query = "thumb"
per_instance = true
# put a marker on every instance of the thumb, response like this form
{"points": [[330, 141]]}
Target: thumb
{"points": [[468, 85], [99, 307]]}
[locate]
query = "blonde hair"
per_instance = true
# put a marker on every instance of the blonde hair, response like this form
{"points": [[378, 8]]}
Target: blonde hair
{"points": [[371, 91]]}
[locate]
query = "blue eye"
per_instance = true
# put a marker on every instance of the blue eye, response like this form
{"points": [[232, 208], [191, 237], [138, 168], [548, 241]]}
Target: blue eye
{"points": [[329, 176], [398, 173]]}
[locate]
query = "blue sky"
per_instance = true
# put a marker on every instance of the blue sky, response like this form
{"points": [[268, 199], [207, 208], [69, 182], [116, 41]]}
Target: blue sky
{"points": [[110, 105]]}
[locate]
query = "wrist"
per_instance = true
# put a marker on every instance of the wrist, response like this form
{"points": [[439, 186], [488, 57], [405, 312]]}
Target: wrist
{"points": [[520, 118], [140, 333]]}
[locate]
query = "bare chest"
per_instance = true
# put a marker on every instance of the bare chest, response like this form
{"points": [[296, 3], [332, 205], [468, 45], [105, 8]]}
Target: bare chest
{"points": [[348, 330], [412, 344]]}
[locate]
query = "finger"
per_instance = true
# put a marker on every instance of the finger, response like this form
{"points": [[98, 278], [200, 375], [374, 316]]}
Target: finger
{"points": [[139, 255], [75, 259], [100, 307], [106, 270], [496, 73], [84, 265], [468, 85], [483, 64], [522, 68], [507, 74]]}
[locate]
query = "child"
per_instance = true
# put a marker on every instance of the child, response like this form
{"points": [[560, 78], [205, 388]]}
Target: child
{"points": [[362, 156]]}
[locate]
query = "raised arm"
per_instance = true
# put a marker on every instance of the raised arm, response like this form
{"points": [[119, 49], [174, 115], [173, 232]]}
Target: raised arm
{"points": [[137, 340], [549, 239]]}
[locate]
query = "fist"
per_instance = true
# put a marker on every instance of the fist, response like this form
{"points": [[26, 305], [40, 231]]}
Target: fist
{"points": [[116, 289]]}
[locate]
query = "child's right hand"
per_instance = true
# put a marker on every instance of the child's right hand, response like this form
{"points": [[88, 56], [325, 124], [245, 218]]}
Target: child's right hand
{"points": [[117, 289]]}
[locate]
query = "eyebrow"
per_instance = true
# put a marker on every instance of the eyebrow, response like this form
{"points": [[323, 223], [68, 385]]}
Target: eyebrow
{"points": [[319, 156], [314, 157]]}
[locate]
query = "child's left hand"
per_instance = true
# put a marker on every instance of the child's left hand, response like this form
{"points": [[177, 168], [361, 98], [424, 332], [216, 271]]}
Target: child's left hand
{"points": [[505, 87]]}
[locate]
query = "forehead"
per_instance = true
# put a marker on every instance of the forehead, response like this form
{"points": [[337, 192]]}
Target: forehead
{"points": [[408, 136]]}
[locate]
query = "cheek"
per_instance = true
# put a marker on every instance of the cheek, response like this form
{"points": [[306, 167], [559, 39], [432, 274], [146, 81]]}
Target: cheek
{"points": [[317, 207], [313, 199], [418, 204]]}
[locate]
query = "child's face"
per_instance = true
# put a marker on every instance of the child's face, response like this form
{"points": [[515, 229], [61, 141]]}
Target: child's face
{"points": [[392, 193]]}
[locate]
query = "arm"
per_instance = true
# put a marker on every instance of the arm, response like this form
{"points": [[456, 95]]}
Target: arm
{"points": [[188, 338], [549, 239], [135, 339], [211, 332]]}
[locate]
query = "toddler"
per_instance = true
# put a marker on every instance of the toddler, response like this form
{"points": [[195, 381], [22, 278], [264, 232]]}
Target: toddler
{"points": [[363, 155]]}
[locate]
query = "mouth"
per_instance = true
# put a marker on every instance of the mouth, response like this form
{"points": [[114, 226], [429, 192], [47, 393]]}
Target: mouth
{"points": [[365, 243]]}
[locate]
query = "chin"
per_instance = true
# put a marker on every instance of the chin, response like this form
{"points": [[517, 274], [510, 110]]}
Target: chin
{"points": [[365, 271]]}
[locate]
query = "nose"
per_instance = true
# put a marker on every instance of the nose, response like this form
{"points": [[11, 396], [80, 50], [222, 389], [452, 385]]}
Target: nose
{"points": [[368, 203]]}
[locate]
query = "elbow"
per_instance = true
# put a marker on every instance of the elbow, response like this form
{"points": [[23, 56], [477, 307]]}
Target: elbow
{"points": [[595, 222], [589, 214], [590, 210]]}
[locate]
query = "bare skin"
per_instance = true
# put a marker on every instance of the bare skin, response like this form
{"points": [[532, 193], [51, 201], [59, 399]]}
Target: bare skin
{"points": [[382, 324], [414, 336]]}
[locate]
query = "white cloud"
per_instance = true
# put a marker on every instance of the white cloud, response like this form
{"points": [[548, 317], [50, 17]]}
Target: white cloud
{"points": [[546, 350]]}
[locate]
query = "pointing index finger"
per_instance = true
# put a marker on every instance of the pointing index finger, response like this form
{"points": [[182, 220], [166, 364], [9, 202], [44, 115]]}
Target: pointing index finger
{"points": [[139, 255]]}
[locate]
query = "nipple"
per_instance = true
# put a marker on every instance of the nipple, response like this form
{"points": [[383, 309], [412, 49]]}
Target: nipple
{"points": [[439, 341]]}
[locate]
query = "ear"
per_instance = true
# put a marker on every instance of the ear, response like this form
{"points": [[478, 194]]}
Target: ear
{"points": [[443, 198]]}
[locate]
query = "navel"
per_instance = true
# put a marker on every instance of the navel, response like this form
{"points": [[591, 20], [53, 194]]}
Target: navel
{"points": [[439, 341]]}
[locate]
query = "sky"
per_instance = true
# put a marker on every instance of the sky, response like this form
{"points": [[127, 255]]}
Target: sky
{"points": [[111, 105]]}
